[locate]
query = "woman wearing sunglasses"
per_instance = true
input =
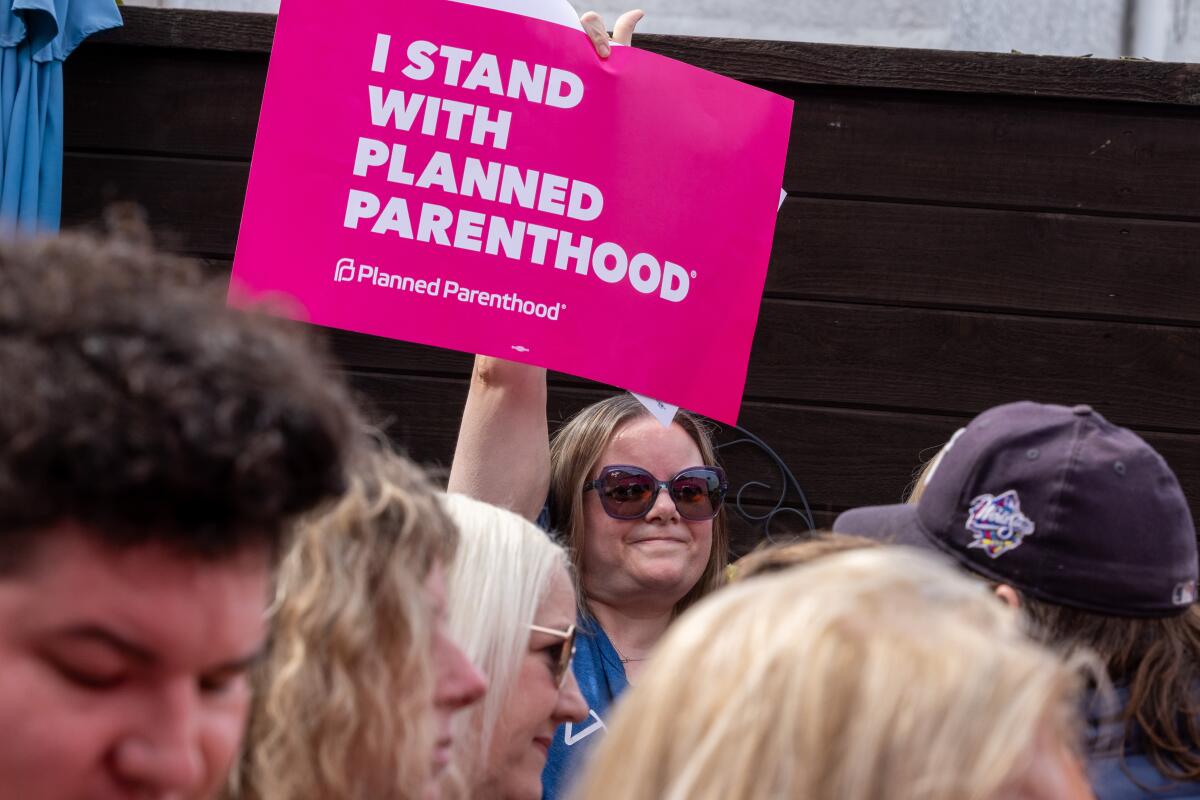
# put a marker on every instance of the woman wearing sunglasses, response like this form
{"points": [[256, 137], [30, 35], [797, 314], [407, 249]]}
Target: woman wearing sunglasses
{"points": [[638, 505], [512, 609]]}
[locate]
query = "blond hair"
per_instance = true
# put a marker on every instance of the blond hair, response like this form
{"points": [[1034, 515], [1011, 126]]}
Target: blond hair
{"points": [[771, 557], [344, 699], [574, 452], [867, 675], [499, 577], [925, 471]]}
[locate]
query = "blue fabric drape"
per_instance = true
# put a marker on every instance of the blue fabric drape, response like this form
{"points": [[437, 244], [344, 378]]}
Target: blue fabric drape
{"points": [[35, 37]]}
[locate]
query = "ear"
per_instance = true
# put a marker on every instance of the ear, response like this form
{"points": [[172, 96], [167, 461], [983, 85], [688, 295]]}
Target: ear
{"points": [[1008, 595]]}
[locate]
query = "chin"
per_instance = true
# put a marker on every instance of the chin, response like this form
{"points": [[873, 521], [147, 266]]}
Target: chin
{"points": [[520, 780], [668, 572], [522, 787], [673, 583]]}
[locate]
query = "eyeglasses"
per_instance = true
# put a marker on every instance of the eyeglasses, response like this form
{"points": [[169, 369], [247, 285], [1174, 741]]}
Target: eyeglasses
{"points": [[566, 652], [629, 492]]}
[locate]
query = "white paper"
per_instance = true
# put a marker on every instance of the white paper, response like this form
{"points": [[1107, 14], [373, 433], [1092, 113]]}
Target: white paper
{"points": [[557, 11], [663, 412], [782, 197]]}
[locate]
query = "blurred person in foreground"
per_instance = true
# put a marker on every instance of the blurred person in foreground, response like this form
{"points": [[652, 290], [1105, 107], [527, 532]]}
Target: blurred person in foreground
{"points": [[154, 448], [512, 607], [357, 695], [881, 674], [1084, 526], [777, 556]]}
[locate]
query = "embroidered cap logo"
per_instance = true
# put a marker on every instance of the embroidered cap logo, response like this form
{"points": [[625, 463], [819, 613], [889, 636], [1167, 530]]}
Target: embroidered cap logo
{"points": [[997, 523]]}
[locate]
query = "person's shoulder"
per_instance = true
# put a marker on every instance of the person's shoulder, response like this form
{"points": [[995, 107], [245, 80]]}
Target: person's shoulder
{"points": [[1134, 777]]}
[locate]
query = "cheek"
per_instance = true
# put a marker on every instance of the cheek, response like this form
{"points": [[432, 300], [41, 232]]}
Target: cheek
{"points": [[225, 722], [531, 700], [702, 532], [602, 534], [64, 736], [221, 734], [448, 667], [594, 517]]}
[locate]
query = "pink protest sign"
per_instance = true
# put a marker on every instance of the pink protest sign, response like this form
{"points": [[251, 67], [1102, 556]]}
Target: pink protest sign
{"points": [[474, 179]]}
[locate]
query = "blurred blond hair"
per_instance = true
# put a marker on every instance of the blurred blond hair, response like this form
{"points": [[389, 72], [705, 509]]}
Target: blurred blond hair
{"points": [[925, 471], [771, 557], [344, 698], [879, 674]]}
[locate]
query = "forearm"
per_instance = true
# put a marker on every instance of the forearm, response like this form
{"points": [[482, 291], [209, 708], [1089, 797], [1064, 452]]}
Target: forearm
{"points": [[503, 451]]}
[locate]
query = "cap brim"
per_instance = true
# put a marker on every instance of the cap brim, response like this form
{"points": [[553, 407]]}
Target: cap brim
{"points": [[896, 524]]}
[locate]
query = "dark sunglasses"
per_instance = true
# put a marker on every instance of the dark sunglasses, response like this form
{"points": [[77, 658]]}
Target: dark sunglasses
{"points": [[629, 492], [566, 652]]}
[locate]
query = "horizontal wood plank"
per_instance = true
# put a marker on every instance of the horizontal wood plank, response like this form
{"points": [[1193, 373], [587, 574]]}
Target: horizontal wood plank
{"points": [[797, 62], [999, 152], [935, 256], [194, 206], [192, 29], [935, 70], [958, 362], [161, 101], [931, 147], [842, 458]]}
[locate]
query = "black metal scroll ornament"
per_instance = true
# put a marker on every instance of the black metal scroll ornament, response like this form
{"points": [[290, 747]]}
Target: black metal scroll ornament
{"points": [[788, 483]]}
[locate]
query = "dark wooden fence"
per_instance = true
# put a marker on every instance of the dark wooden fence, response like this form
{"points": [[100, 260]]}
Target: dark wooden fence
{"points": [[963, 229]]}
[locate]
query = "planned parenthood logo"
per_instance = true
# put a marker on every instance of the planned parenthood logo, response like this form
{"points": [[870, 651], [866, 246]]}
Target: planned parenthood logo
{"points": [[997, 523], [345, 271]]}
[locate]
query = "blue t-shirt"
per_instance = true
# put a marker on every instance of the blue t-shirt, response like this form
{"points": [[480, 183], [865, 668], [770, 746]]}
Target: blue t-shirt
{"points": [[601, 677]]}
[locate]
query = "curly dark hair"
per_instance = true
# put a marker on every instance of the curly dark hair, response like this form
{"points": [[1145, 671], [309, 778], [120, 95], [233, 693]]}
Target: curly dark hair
{"points": [[134, 402]]}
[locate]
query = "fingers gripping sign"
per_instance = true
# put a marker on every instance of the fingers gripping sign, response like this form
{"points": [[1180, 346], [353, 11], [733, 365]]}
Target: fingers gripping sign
{"points": [[623, 30], [593, 25]]}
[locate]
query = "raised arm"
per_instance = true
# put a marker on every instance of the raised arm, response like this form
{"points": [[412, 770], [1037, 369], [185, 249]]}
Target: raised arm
{"points": [[503, 451]]}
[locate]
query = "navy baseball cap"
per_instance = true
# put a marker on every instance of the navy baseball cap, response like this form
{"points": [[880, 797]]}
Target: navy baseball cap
{"points": [[1059, 503]]}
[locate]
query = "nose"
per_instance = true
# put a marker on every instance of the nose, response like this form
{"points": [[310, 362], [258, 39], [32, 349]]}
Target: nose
{"points": [[571, 707], [459, 682], [664, 509], [162, 755]]}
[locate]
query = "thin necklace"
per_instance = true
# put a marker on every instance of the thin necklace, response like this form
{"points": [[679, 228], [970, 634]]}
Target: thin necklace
{"points": [[625, 660]]}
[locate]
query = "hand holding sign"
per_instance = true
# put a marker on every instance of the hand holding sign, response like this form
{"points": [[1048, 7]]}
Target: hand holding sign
{"points": [[454, 193], [593, 26]]}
